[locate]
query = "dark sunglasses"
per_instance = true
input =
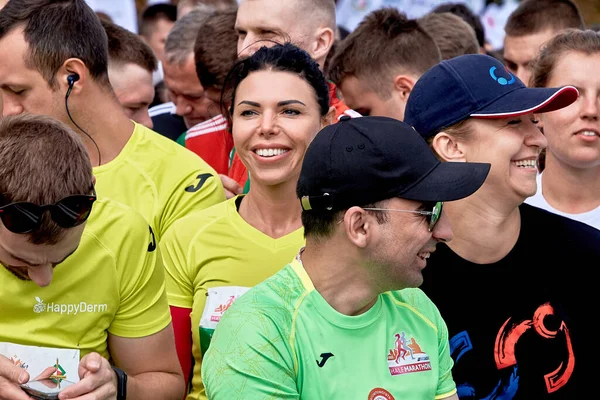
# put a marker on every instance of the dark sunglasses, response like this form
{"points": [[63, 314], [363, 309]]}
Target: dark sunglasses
{"points": [[23, 217], [432, 216]]}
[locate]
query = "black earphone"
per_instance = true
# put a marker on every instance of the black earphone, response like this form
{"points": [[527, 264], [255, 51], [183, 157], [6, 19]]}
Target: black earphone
{"points": [[71, 79]]}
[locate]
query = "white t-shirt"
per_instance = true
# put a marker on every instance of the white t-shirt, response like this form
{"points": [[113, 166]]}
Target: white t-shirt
{"points": [[590, 217]]}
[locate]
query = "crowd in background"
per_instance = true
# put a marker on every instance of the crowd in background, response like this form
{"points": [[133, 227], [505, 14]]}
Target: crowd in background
{"points": [[298, 199]]}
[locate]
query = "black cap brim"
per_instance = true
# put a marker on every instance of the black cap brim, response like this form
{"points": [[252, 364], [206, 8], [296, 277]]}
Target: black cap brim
{"points": [[448, 181]]}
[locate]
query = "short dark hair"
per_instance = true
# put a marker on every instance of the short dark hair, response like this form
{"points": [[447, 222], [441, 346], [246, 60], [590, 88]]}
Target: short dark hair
{"points": [[320, 225], [533, 16], [154, 13], [281, 57], [383, 42], [453, 36], [43, 161], [55, 31], [215, 50], [463, 11], [126, 47]]}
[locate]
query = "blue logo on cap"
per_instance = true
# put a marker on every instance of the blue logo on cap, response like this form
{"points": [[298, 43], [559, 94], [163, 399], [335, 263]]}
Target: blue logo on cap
{"points": [[502, 80]]}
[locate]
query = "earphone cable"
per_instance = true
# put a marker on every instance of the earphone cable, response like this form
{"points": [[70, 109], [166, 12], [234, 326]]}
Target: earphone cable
{"points": [[78, 127]]}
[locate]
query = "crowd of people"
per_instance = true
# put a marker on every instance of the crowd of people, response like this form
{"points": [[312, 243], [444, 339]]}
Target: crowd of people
{"points": [[246, 200]]}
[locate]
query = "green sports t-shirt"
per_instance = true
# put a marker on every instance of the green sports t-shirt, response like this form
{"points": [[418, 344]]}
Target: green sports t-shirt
{"points": [[211, 258], [282, 340]]}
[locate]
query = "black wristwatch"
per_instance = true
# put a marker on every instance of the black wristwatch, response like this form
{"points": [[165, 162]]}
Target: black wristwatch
{"points": [[121, 383]]}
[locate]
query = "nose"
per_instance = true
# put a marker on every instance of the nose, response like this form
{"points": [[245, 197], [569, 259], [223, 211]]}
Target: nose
{"points": [[41, 274], [183, 107], [268, 124], [243, 46], [442, 232], [535, 137], [523, 73], [590, 107], [11, 107], [250, 43], [146, 120]]}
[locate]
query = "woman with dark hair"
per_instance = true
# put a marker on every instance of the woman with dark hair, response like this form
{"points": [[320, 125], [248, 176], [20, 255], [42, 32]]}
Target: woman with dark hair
{"points": [[278, 100], [513, 282]]}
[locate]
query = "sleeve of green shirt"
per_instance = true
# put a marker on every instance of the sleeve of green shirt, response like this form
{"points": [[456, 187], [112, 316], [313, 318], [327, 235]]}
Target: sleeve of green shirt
{"points": [[249, 356], [446, 385], [446, 382]]}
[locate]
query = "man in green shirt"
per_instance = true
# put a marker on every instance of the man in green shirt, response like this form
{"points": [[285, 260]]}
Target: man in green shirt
{"points": [[344, 319]]}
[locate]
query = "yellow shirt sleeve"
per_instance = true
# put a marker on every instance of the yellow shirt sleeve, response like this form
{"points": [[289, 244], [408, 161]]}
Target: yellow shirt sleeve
{"points": [[176, 256], [144, 309], [199, 189]]}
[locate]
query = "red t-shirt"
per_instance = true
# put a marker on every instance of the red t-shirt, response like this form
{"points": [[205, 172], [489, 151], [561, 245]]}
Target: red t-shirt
{"points": [[212, 141]]}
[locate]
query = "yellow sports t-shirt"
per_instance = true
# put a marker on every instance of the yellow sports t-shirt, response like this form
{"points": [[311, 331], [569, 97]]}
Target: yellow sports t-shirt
{"points": [[113, 283], [212, 257], [160, 179]]}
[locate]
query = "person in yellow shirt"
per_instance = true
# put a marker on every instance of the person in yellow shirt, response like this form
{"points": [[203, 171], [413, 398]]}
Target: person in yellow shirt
{"points": [[82, 287], [214, 256], [64, 75]]}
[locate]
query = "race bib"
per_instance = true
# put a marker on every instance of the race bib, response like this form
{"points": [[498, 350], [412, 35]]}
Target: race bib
{"points": [[36, 359], [218, 300]]}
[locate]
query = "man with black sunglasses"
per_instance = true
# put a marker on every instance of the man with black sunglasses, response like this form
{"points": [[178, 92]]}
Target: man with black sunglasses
{"points": [[79, 284], [334, 322]]}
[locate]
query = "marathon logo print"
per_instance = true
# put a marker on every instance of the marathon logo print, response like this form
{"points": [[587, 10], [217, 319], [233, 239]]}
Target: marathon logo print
{"points": [[407, 356]]}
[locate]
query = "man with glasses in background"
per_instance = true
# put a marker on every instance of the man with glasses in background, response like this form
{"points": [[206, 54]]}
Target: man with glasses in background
{"points": [[334, 323], [81, 281]]}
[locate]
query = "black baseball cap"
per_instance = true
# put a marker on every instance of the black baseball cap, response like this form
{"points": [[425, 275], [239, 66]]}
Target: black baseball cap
{"points": [[359, 161]]}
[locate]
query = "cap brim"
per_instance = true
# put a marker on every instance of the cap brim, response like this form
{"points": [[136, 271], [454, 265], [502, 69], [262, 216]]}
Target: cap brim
{"points": [[449, 181], [529, 100]]}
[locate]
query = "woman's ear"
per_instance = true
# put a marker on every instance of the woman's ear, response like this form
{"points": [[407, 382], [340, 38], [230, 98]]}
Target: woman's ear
{"points": [[447, 147], [329, 118]]}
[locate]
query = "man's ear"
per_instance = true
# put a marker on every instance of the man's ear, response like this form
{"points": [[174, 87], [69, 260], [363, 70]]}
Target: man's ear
{"points": [[403, 85], [447, 148], [71, 67], [358, 226], [324, 38]]}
